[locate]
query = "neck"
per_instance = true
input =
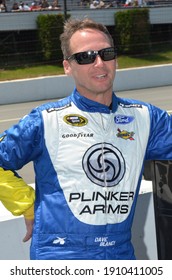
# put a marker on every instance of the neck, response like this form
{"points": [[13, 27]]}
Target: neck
{"points": [[102, 98]]}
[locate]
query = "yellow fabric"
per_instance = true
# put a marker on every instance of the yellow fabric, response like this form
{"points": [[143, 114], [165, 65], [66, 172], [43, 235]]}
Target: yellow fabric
{"points": [[16, 195], [29, 213]]}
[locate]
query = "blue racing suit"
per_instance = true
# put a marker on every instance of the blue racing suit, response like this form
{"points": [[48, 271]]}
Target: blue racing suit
{"points": [[88, 160]]}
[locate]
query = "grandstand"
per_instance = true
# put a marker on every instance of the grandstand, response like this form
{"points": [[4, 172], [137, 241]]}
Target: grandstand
{"points": [[77, 4]]}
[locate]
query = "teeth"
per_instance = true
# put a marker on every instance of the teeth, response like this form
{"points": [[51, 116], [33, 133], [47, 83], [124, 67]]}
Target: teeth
{"points": [[101, 76]]}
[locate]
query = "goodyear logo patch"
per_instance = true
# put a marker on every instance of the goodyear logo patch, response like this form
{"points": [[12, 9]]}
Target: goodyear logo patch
{"points": [[75, 120]]}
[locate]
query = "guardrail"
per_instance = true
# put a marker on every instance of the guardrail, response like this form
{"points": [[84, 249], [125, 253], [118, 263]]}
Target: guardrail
{"points": [[39, 88]]}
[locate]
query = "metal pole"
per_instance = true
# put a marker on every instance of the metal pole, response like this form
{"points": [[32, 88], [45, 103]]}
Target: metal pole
{"points": [[65, 9]]}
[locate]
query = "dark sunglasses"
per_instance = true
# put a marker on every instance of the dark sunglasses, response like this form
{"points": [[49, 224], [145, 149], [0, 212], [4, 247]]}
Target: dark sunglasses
{"points": [[89, 57]]}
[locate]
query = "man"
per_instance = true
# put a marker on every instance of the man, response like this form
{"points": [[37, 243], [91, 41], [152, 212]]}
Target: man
{"points": [[88, 151]]}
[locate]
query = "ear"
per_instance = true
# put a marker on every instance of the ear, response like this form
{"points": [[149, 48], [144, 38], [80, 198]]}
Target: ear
{"points": [[67, 67]]}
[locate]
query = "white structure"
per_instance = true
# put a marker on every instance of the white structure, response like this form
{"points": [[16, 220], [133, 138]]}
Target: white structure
{"points": [[38, 89]]}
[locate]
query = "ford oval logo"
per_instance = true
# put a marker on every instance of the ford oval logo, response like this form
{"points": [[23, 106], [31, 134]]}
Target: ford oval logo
{"points": [[121, 119]]}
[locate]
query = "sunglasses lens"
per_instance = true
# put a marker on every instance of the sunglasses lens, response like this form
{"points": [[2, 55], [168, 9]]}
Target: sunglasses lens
{"points": [[89, 57], [108, 54], [85, 57]]}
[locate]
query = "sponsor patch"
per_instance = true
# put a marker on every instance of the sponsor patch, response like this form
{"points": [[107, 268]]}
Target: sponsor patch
{"points": [[104, 162], [77, 135], [75, 120], [130, 105], [122, 119], [59, 240], [58, 108], [124, 134]]}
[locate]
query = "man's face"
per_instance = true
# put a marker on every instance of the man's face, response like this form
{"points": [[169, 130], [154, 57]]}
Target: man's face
{"points": [[96, 78]]}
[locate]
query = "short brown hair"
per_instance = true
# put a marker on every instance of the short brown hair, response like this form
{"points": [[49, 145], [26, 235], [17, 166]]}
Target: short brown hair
{"points": [[72, 25]]}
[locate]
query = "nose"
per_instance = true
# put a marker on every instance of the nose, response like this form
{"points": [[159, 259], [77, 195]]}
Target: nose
{"points": [[98, 61]]}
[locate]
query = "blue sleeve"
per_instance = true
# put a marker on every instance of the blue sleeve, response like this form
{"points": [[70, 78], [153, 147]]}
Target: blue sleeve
{"points": [[160, 140], [22, 142]]}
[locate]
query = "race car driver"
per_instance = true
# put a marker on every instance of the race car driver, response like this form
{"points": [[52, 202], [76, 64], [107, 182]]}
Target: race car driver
{"points": [[88, 151]]}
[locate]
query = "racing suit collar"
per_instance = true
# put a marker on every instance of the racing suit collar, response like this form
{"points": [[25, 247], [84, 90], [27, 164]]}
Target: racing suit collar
{"points": [[89, 105]]}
